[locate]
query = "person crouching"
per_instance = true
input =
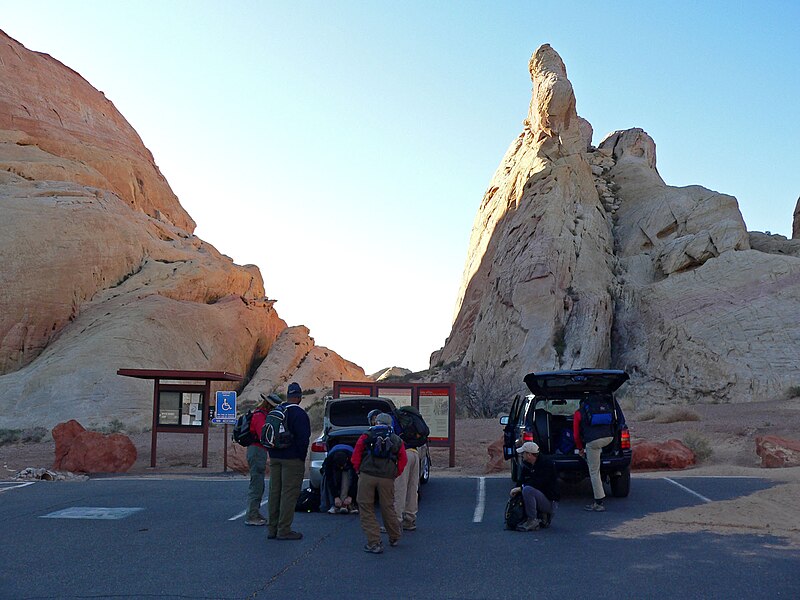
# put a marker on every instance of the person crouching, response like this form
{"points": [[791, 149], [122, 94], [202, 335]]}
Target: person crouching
{"points": [[539, 487]]}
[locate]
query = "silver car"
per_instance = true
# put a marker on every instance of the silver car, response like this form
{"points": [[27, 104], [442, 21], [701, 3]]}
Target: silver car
{"points": [[344, 421]]}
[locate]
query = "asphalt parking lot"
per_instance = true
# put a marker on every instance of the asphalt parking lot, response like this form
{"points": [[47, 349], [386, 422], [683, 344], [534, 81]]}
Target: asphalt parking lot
{"points": [[184, 538]]}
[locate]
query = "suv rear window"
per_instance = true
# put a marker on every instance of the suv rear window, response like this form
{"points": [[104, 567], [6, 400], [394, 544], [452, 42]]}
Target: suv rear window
{"points": [[559, 406]]}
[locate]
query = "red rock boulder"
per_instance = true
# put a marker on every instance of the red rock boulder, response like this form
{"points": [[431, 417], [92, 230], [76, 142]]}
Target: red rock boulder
{"points": [[82, 451], [496, 462], [776, 452], [672, 454]]}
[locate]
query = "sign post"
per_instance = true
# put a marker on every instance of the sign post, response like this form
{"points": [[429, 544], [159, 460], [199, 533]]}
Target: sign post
{"points": [[225, 413]]}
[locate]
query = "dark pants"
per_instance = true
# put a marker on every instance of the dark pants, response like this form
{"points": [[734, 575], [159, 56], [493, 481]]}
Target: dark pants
{"points": [[535, 502]]}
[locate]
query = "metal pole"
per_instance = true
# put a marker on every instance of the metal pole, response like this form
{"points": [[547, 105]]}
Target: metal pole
{"points": [[225, 460], [153, 442]]}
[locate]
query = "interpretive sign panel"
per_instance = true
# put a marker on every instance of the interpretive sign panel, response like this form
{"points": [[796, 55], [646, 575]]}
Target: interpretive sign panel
{"points": [[400, 396], [434, 406]]}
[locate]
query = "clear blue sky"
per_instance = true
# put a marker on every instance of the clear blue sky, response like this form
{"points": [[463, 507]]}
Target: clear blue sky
{"points": [[344, 147]]}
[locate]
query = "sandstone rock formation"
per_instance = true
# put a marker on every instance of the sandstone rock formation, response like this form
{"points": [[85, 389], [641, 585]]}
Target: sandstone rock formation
{"points": [[585, 257], [100, 269], [796, 221], [672, 454], [81, 451], [390, 373], [496, 462], [777, 452]]}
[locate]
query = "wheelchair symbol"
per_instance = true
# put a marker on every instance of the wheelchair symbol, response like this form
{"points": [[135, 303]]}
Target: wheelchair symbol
{"points": [[225, 406]]}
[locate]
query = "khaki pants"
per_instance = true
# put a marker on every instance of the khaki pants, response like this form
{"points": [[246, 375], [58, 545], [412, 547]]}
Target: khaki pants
{"points": [[285, 480], [593, 449], [367, 484], [406, 487], [257, 461]]}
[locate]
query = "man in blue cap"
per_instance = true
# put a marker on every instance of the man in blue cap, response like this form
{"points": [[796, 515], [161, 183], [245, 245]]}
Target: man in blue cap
{"points": [[287, 467]]}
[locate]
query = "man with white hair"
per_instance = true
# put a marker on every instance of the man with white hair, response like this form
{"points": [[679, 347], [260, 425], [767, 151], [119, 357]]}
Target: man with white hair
{"points": [[539, 488]]}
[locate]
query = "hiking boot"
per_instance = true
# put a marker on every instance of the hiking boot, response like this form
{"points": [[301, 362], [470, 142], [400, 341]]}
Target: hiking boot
{"points": [[409, 526], [383, 529], [353, 510], [374, 548], [332, 510], [394, 543], [256, 520], [595, 507], [292, 535], [272, 535], [546, 519], [528, 525]]}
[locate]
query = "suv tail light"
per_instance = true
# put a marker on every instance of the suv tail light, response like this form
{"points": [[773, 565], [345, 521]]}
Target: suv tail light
{"points": [[625, 439], [319, 447], [527, 436]]}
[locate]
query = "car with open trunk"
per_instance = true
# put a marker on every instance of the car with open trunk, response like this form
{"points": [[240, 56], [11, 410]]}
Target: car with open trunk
{"points": [[344, 421], [547, 413]]}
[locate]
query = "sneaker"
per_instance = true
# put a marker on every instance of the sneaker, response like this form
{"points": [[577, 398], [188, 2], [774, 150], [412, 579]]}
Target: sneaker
{"points": [[353, 510], [394, 543], [344, 510], [292, 535], [258, 520], [594, 507], [528, 525], [332, 510], [409, 527], [374, 548], [383, 529]]}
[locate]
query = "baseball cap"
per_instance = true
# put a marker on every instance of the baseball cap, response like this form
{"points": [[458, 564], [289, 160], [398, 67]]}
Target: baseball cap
{"points": [[531, 447]]}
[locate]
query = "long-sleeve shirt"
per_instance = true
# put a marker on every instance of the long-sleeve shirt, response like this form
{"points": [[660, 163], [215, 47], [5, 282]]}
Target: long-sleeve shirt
{"points": [[543, 476]]}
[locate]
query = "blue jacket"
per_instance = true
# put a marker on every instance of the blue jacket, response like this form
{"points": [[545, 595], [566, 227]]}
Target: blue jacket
{"points": [[298, 423]]}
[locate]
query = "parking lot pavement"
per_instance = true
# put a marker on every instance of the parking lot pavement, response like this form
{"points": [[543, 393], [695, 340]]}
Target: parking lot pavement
{"points": [[135, 538]]}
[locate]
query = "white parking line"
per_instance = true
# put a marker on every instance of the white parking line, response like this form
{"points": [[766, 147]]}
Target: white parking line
{"points": [[692, 492], [477, 517], [13, 487]]}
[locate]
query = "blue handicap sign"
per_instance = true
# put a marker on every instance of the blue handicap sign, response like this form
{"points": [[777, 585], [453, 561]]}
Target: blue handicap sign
{"points": [[226, 408]]}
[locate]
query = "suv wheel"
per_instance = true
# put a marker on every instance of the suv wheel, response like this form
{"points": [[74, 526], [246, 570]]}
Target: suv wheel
{"points": [[621, 484]]}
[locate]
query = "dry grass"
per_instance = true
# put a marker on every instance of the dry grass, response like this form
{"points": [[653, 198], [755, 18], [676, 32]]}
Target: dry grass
{"points": [[675, 414], [698, 444]]}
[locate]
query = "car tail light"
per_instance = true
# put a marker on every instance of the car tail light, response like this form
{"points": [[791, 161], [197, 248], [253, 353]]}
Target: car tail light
{"points": [[319, 447], [625, 439], [527, 436]]}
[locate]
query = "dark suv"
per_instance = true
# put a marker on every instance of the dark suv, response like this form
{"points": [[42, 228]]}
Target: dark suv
{"points": [[545, 414]]}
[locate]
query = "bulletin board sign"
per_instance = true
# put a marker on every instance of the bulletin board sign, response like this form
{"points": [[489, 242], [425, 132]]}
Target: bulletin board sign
{"points": [[436, 403]]}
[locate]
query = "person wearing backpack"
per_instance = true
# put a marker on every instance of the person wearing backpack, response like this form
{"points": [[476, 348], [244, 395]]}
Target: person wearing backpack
{"points": [[287, 467], [414, 432], [257, 461], [379, 456], [593, 426]]}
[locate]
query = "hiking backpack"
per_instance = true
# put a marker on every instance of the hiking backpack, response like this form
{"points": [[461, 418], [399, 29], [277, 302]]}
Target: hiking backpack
{"points": [[598, 410], [414, 431], [515, 511], [241, 430], [274, 435], [379, 442]]}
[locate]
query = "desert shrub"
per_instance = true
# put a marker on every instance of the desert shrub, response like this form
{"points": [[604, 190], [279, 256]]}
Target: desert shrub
{"points": [[698, 444], [316, 411], [33, 435], [647, 415], [25, 436], [794, 391], [113, 426], [481, 395], [9, 436]]}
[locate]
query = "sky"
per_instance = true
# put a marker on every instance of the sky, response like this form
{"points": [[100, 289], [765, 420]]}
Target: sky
{"points": [[344, 147]]}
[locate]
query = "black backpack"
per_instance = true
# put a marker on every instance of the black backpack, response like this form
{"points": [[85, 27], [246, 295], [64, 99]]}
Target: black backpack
{"points": [[241, 431], [515, 511], [379, 442], [598, 410], [308, 500], [274, 435], [414, 431]]}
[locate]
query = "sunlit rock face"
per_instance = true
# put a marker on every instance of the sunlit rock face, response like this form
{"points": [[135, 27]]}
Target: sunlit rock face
{"points": [[585, 257], [99, 269]]}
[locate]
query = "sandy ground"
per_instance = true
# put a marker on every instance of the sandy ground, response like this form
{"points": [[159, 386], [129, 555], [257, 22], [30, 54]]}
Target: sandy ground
{"points": [[730, 431]]}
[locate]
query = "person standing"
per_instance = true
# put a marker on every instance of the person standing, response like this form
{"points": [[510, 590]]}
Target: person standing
{"points": [[593, 429], [287, 467], [539, 487], [406, 486], [257, 460], [379, 456]]}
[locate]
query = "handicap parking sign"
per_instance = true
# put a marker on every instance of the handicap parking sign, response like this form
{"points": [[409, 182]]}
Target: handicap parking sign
{"points": [[226, 408]]}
